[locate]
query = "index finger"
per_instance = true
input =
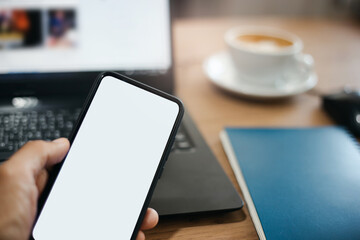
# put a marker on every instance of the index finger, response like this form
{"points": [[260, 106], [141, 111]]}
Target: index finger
{"points": [[36, 155]]}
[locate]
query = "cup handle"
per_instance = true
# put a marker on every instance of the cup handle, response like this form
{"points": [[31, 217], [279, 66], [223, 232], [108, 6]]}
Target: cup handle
{"points": [[305, 63]]}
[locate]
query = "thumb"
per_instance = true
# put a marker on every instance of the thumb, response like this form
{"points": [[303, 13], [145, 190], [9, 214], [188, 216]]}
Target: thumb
{"points": [[36, 155]]}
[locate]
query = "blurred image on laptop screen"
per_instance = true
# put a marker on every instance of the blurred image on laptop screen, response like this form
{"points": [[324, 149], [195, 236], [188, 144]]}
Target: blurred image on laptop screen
{"points": [[84, 35]]}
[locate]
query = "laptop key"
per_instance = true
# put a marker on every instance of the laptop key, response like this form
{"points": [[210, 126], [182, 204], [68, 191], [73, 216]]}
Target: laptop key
{"points": [[180, 136], [183, 145], [182, 141], [3, 146], [5, 156]]}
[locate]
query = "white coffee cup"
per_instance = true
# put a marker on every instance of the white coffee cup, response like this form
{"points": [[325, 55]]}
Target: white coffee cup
{"points": [[268, 56]]}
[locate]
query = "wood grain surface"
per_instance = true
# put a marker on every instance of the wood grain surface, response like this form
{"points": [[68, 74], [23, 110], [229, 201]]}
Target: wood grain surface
{"points": [[335, 46]]}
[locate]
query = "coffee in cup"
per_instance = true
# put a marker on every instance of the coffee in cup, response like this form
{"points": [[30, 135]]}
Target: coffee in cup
{"points": [[263, 43], [267, 56]]}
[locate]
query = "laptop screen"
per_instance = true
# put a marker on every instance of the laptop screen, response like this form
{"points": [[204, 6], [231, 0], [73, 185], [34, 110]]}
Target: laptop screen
{"points": [[45, 36]]}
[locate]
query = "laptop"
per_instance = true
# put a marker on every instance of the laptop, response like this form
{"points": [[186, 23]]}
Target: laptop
{"points": [[51, 52]]}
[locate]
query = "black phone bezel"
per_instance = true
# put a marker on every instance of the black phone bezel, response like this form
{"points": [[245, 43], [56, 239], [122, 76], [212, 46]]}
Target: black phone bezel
{"points": [[55, 171]]}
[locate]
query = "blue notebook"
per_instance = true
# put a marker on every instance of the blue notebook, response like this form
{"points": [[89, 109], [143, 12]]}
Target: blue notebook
{"points": [[298, 183]]}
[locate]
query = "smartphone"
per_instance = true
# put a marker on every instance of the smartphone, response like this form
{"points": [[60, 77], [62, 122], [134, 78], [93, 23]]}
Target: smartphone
{"points": [[102, 188]]}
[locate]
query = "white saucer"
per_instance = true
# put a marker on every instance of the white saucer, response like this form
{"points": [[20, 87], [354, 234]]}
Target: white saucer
{"points": [[221, 72]]}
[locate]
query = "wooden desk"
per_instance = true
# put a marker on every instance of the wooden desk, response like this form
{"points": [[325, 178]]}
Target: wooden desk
{"points": [[335, 46]]}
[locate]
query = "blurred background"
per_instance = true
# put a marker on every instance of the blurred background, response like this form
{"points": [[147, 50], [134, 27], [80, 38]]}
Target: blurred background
{"points": [[311, 8]]}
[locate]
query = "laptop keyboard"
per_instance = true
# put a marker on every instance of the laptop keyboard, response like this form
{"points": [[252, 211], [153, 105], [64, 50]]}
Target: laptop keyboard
{"points": [[19, 127]]}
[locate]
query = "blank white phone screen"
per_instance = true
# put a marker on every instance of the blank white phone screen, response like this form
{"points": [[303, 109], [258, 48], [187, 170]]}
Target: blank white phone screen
{"points": [[107, 174]]}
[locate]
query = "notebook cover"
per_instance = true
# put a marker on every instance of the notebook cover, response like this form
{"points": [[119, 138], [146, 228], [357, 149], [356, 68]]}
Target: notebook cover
{"points": [[298, 183]]}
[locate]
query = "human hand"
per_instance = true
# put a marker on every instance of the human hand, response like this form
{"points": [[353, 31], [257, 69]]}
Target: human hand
{"points": [[150, 221], [23, 178]]}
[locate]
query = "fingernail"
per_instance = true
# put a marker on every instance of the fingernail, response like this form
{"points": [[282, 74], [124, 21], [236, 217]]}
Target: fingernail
{"points": [[59, 140]]}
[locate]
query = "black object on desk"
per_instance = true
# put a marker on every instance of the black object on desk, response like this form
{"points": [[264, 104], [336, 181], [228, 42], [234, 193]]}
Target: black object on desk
{"points": [[344, 108]]}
